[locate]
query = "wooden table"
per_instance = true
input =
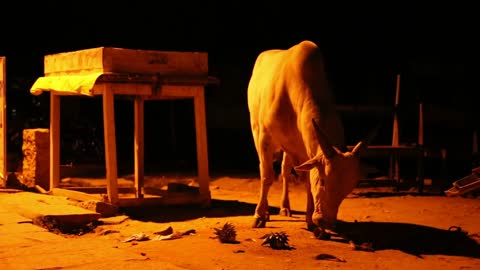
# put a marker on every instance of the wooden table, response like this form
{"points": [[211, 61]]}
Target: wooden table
{"points": [[142, 88]]}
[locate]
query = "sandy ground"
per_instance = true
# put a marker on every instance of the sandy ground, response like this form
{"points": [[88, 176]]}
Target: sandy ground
{"points": [[404, 232]]}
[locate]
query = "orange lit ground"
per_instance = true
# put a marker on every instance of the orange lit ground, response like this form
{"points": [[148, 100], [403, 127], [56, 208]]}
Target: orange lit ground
{"points": [[408, 232]]}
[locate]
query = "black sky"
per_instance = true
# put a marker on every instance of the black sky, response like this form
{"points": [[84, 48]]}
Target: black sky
{"points": [[38, 27], [433, 45], [365, 44]]}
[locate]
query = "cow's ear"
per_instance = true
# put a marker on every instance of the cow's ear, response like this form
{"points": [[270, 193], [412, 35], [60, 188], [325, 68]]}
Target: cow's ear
{"points": [[307, 165]]}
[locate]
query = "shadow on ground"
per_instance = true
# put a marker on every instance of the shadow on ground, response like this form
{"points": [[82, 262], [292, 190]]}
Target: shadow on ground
{"points": [[413, 239], [218, 208], [358, 193]]}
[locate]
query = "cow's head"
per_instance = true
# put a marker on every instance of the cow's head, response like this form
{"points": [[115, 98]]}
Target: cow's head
{"points": [[333, 175]]}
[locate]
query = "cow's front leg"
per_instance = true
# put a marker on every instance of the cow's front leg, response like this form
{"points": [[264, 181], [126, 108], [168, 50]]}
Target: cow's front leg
{"points": [[261, 211], [303, 176], [267, 175], [287, 175]]}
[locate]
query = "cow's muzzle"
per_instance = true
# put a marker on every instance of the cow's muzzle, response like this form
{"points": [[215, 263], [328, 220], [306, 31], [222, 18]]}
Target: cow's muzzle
{"points": [[323, 222]]}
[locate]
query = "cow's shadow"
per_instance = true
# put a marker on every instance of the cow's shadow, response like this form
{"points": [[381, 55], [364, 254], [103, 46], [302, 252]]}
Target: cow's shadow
{"points": [[413, 239], [218, 208]]}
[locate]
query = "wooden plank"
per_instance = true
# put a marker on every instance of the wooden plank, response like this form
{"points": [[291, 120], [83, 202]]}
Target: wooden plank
{"points": [[33, 205], [388, 150], [159, 79], [110, 146], [3, 122], [186, 91], [167, 91], [139, 145], [122, 88], [54, 140], [119, 60], [75, 195], [99, 190], [147, 89], [87, 61]]}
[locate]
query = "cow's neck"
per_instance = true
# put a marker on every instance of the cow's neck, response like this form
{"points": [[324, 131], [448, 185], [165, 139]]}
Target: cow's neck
{"points": [[323, 116]]}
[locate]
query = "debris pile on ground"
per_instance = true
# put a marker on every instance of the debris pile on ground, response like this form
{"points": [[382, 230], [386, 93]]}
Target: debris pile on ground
{"points": [[56, 225], [226, 234], [467, 184], [167, 234], [276, 240]]}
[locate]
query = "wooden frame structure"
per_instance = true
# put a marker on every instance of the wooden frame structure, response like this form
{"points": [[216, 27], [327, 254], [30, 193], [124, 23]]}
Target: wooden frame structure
{"points": [[142, 87], [396, 150]]}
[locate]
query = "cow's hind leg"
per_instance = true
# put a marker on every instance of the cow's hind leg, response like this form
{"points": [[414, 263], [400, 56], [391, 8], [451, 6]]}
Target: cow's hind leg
{"points": [[267, 175], [287, 175]]}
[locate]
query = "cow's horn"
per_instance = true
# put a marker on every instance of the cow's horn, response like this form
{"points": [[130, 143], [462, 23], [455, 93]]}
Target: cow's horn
{"points": [[325, 145], [358, 148], [365, 142]]}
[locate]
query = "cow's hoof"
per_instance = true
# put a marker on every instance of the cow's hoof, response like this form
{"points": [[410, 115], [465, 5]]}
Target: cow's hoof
{"points": [[259, 222], [321, 234], [285, 212]]}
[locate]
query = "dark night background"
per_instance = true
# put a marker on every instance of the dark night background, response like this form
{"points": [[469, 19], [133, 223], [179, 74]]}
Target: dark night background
{"points": [[365, 46]]}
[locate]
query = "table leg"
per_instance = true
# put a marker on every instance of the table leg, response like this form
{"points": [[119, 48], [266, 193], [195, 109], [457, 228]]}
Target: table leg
{"points": [[54, 140], [110, 146], [139, 145], [202, 150]]}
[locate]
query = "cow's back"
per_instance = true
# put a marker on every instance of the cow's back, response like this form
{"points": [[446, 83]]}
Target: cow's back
{"points": [[281, 83]]}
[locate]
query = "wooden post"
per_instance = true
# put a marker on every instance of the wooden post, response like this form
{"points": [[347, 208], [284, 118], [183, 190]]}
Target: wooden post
{"points": [[3, 123], [202, 150], [420, 170], [395, 113], [54, 140], [395, 134], [420, 124], [139, 146], [110, 145]]}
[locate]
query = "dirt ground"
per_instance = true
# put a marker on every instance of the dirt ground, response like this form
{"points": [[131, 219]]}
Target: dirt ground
{"points": [[404, 231]]}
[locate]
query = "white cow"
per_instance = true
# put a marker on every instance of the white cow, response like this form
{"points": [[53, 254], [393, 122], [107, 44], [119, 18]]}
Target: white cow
{"points": [[292, 110]]}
